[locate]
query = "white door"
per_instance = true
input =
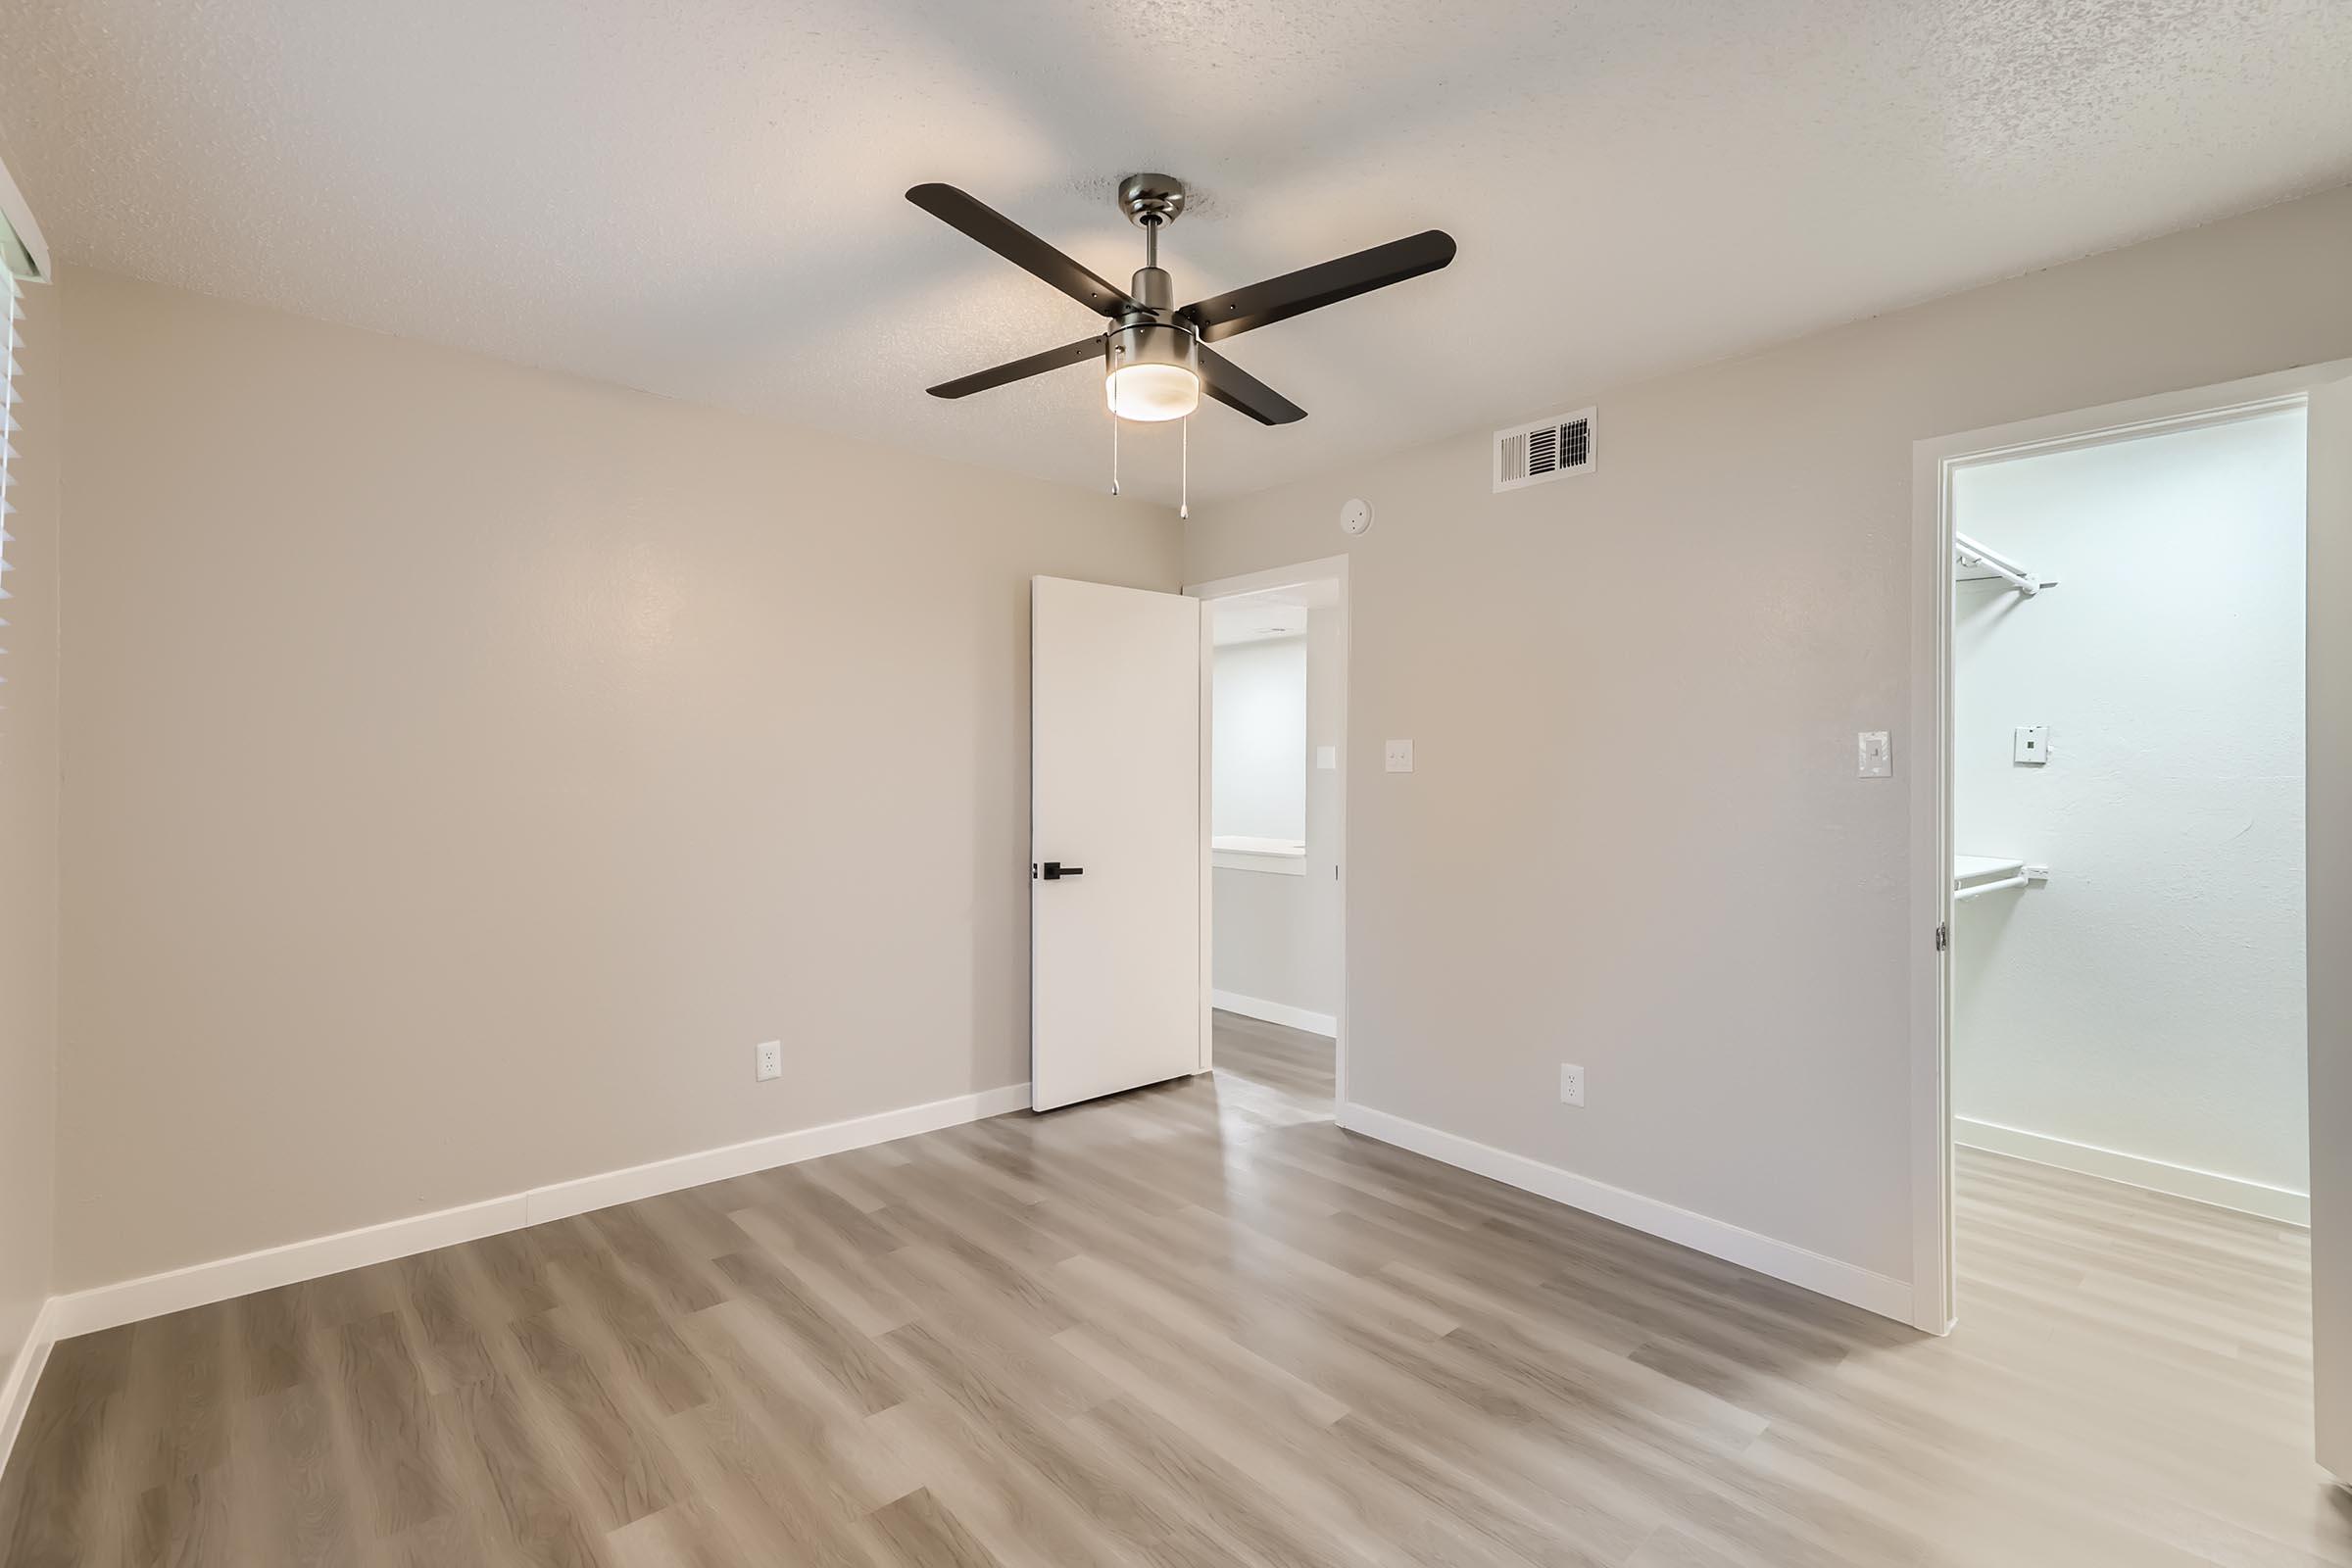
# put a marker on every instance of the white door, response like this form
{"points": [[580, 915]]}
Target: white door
{"points": [[1115, 849], [2328, 880]]}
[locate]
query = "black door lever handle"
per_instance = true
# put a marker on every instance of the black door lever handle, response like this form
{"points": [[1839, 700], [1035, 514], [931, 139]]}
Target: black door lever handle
{"points": [[1054, 871]]}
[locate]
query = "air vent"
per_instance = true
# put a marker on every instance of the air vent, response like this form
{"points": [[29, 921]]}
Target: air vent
{"points": [[1531, 454]]}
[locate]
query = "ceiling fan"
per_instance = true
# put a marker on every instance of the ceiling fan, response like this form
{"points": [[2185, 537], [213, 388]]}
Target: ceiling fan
{"points": [[1155, 357]]}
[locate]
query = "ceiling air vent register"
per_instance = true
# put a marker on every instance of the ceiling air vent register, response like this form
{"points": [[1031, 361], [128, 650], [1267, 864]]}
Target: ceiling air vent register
{"points": [[1534, 453]]}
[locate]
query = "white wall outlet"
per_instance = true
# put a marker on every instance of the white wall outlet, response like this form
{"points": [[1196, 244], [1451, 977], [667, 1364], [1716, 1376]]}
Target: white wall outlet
{"points": [[1572, 1085], [767, 1059], [1400, 757], [1875, 751], [2029, 745]]}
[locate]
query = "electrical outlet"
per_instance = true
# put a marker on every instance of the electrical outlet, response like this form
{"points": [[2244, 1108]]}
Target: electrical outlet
{"points": [[767, 1061], [1572, 1085]]}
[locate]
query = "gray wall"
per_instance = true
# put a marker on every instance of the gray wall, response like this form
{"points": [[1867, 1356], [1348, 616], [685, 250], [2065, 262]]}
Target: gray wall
{"points": [[471, 764], [1633, 838], [1258, 783]]}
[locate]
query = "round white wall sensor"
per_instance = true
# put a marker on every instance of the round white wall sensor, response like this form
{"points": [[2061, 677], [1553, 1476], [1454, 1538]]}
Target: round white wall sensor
{"points": [[1355, 517]]}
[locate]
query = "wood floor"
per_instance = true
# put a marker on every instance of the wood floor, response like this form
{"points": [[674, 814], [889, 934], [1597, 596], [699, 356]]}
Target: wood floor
{"points": [[1199, 1325]]}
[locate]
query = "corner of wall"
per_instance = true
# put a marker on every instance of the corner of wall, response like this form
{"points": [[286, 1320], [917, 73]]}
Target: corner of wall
{"points": [[29, 802]]}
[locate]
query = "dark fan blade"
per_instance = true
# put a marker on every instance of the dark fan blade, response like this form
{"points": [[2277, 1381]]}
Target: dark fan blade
{"points": [[1237, 388], [1086, 348], [1021, 248], [1313, 287]]}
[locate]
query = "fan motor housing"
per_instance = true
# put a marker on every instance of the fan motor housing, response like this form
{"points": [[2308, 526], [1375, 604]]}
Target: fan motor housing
{"points": [[1153, 289], [1151, 343]]}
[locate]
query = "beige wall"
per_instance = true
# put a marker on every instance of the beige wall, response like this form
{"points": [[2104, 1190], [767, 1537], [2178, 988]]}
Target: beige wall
{"points": [[1633, 838], [28, 837], [467, 766]]}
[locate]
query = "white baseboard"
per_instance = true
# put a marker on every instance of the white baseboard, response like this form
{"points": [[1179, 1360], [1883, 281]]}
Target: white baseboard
{"points": [[602, 1191], [1844, 1282], [2135, 1171], [1315, 1023], [16, 1389], [108, 1307]]}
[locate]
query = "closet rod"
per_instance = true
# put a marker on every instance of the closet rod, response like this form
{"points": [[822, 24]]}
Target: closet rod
{"points": [[1973, 554]]}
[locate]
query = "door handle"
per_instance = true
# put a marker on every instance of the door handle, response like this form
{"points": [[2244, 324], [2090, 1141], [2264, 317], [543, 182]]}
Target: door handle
{"points": [[1054, 872]]}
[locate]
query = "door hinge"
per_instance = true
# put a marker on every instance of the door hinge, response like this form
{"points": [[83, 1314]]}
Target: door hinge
{"points": [[1944, 937]]}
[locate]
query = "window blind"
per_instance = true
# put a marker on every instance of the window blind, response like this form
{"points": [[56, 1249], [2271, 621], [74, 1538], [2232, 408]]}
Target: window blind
{"points": [[8, 433], [23, 257]]}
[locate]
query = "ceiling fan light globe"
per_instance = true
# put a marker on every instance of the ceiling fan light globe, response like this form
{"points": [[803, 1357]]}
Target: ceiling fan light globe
{"points": [[1150, 393]]}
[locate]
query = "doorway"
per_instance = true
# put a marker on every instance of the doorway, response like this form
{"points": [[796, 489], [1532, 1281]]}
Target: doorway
{"points": [[1977, 594], [1274, 743], [2183, 1258], [2128, 812]]}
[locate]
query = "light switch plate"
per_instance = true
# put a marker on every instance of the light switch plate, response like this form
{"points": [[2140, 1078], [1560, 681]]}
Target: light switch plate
{"points": [[1400, 757], [1875, 753], [2030, 745], [1327, 758]]}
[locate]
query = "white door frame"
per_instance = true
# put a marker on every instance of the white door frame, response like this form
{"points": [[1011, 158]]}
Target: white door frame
{"points": [[1933, 461], [1329, 568]]}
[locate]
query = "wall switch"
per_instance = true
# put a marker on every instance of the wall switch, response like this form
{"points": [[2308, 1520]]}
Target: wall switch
{"points": [[1327, 758], [2029, 745], [1400, 757], [767, 1061], [1876, 752], [1572, 1085]]}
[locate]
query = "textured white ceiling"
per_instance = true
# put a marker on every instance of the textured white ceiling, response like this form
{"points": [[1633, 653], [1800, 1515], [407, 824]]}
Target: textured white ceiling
{"points": [[703, 197]]}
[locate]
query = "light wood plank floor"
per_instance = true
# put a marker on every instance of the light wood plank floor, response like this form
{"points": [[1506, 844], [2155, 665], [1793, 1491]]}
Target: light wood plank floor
{"points": [[1199, 1325]]}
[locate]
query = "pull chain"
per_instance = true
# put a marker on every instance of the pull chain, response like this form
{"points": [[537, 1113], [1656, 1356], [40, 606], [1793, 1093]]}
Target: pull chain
{"points": [[1115, 431], [1184, 468]]}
